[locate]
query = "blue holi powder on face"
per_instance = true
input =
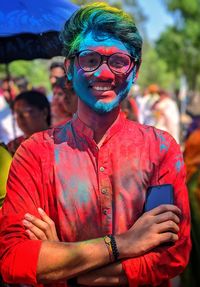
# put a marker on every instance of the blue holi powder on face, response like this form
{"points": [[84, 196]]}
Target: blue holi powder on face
{"points": [[81, 79]]}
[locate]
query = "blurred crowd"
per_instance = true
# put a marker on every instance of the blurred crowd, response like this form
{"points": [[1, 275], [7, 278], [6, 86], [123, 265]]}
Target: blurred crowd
{"points": [[25, 109], [21, 104]]}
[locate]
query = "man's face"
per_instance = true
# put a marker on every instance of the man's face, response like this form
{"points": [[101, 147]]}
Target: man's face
{"points": [[102, 90], [55, 73]]}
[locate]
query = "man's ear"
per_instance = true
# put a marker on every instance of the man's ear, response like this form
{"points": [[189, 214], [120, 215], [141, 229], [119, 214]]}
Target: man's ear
{"points": [[137, 71], [135, 77], [68, 69]]}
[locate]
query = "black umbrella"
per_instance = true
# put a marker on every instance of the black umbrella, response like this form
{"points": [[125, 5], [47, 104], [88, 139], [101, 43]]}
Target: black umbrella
{"points": [[29, 29]]}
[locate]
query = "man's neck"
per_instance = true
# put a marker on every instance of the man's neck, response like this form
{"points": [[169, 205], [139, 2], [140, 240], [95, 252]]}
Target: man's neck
{"points": [[99, 123]]}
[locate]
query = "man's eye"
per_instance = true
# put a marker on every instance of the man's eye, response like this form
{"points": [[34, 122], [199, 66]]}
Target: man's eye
{"points": [[118, 64], [92, 61]]}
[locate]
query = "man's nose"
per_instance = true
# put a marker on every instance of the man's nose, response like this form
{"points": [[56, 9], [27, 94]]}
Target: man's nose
{"points": [[104, 72]]}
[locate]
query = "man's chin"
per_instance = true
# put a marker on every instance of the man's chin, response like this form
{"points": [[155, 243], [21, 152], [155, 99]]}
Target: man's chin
{"points": [[104, 108]]}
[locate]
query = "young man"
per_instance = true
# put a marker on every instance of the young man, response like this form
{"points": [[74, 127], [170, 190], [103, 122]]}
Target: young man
{"points": [[91, 176]]}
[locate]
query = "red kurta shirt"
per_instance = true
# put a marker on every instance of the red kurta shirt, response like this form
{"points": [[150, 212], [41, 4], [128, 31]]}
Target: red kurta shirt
{"points": [[90, 192]]}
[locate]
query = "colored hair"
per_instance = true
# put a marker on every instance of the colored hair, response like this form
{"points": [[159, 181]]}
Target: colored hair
{"points": [[101, 20], [35, 99]]}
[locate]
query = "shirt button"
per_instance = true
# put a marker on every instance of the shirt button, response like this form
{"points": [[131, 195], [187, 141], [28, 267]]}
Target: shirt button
{"points": [[101, 168], [105, 212], [104, 190]]}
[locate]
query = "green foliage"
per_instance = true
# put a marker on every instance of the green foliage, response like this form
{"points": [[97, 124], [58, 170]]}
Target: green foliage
{"points": [[154, 70], [169, 46], [184, 7], [35, 71], [180, 45]]}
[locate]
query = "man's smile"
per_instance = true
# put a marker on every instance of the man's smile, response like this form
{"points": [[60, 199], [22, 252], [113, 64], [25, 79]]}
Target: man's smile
{"points": [[102, 86]]}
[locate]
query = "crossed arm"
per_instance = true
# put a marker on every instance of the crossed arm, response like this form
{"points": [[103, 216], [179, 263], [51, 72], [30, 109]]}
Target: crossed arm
{"points": [[85, 260]]}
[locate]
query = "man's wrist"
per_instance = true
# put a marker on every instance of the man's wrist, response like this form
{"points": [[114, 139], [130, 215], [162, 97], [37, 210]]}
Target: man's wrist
{"points": [[121, 246], [112, 247]]}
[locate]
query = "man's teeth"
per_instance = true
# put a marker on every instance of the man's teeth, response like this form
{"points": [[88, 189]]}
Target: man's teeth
{"points": [[102, 88]]}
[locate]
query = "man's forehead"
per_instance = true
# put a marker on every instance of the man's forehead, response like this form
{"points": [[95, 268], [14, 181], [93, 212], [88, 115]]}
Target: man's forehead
{"points": [[103, 44]]}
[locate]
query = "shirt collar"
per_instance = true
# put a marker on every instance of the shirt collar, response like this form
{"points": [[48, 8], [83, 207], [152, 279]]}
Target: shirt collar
{"points": [[83, 130]]}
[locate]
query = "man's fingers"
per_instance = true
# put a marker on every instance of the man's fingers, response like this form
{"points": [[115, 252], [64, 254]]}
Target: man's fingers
{"points": [[168, 237], [168, 226], [165, 208], [43, 226], [34, 230], [39, 224], [31, 235], [169, 215], [45, 217], [50, 223]]}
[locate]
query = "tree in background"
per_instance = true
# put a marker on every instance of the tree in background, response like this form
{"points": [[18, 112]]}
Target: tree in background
{"points": [[35, 71], [153, 69], [179, 45]]}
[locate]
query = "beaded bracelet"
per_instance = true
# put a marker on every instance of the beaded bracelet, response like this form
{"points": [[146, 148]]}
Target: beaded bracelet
{"points": [[112, 247]]}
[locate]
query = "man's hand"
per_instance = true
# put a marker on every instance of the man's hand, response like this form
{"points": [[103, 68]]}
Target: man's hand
{"points": [[153, 228], [110, 275], [40, 228]]}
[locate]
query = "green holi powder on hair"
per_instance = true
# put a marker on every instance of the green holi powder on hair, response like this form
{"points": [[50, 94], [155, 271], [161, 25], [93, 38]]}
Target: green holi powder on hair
{"points": [[94, 14], [95, 18]]}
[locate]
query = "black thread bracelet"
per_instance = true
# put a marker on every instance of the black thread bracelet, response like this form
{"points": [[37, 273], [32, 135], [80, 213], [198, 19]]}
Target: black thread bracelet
{"points": [[114, 247]]}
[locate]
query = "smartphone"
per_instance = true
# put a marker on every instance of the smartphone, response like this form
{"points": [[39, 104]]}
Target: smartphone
{"points": [[159, 194]]}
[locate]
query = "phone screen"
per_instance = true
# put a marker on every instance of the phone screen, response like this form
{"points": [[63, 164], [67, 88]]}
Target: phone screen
{"points": [[157, 195]]}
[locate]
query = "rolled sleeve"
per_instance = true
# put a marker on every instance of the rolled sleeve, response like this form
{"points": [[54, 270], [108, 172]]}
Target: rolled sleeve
{"points": [[165, 262]]}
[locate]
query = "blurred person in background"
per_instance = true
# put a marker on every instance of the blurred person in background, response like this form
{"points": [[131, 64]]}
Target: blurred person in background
{"points": [[56, 71], [64, 102], [22, 84], [145, 104], [32, 113], [166, 114], [193, 125], [9, 89], [8, 128], [129, 109], [5, 161], [191, 276]]}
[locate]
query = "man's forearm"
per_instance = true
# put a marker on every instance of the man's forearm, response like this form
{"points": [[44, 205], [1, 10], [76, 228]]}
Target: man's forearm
{"points": [[59, 260], [112, 274]]}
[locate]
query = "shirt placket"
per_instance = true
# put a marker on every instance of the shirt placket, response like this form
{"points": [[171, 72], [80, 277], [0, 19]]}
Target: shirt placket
{"points": [[105, 190]]}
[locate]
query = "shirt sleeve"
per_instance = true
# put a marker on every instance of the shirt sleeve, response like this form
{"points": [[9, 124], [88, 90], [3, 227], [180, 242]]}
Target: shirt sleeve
{"points": [[18, 254], [165, 262]]}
